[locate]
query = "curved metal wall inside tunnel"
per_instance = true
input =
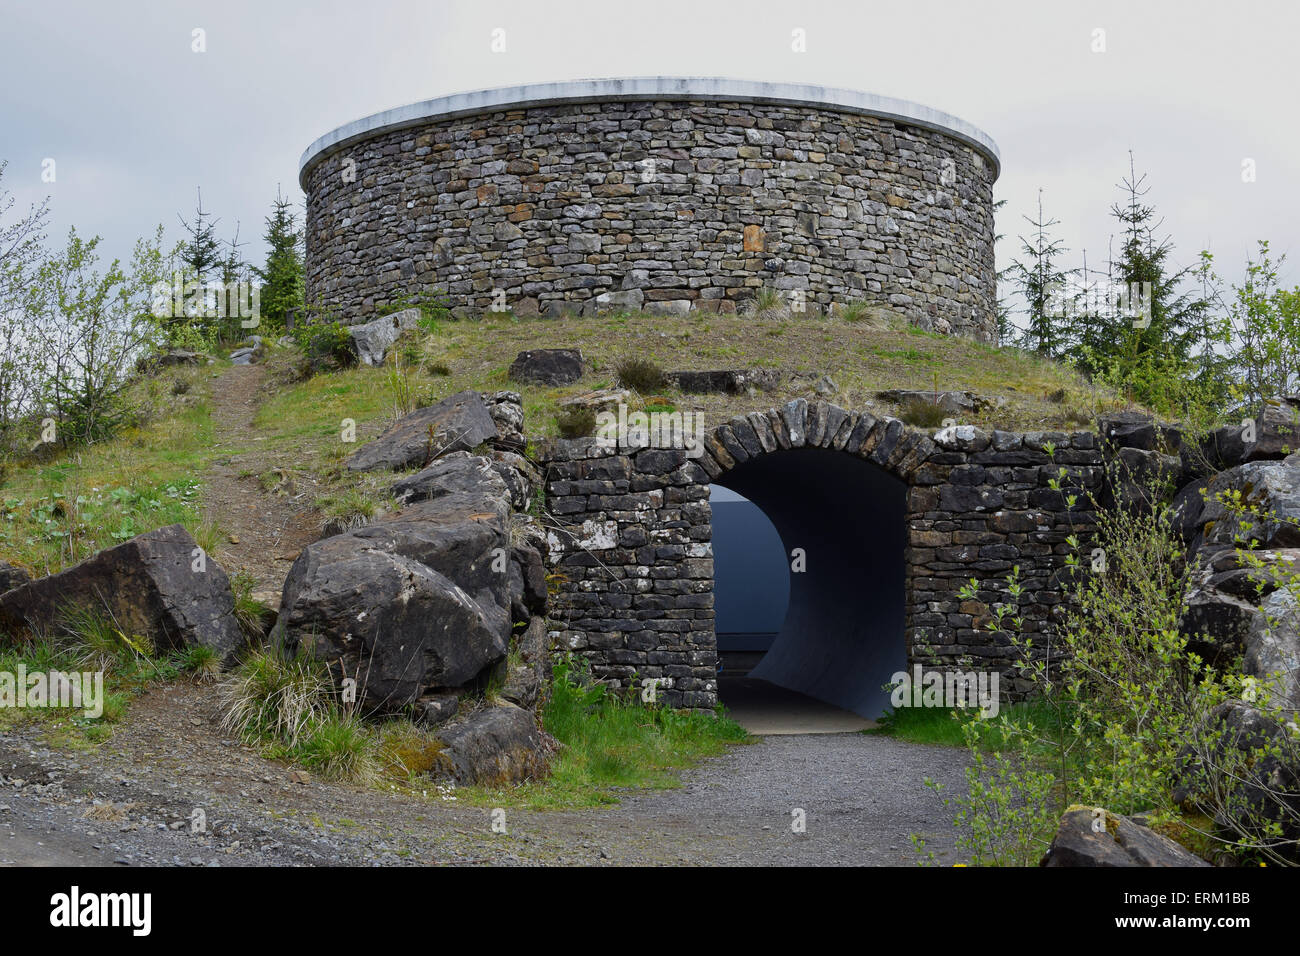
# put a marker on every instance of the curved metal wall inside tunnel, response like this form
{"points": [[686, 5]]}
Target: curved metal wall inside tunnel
{"points": [[844, 630]]}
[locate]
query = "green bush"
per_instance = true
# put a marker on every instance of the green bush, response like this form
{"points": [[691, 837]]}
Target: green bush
{"points": [[326, 345], [1127, 711], [575, 422], [640, 374]]}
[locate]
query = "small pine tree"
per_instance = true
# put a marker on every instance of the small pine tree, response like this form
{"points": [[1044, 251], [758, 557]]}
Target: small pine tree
{"points": [[1042, 283], [282, 279], [1143, 349], [201, 252]]}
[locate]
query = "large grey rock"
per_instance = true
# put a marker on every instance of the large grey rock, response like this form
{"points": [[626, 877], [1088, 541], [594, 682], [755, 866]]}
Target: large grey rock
{"points": [[157, 585], [1243, 767], [458, 422], [395, 625], [955, 402], [495, 745], [736, 381], [1277, 430], [417, 601], [373, 339], [629, 300], [547, 367], [1127, 429], [1272, 648], [457, 472], [1187, 510], [507, 412], [1271, 489], [531, 673], [12, 576], [1216, 623], [1118, 841]]}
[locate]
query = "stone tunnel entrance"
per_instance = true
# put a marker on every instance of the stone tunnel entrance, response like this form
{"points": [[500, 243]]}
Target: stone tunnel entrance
{"points": [[890, 526], [814, 602]]}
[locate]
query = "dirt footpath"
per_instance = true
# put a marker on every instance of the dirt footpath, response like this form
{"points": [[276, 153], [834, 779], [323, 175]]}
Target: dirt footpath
{"points": [[261, 531], [134, 800]]}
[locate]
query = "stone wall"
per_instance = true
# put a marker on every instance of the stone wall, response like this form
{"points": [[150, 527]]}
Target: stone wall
{"points": [[663, 205], [636, 564]]}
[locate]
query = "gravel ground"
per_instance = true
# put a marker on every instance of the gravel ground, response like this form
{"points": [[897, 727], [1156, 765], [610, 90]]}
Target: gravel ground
{"points": [[130, 801]]}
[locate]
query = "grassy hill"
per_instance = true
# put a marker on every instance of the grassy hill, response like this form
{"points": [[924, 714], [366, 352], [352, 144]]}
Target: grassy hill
{"points": [[275, 437]]}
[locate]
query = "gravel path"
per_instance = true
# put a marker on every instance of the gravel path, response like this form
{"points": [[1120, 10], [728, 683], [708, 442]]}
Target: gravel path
{"points": [[861, 796], [130, 802]]}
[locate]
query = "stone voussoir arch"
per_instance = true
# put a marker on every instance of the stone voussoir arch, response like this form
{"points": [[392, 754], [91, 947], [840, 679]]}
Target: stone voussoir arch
{"points": [[884, 441]]}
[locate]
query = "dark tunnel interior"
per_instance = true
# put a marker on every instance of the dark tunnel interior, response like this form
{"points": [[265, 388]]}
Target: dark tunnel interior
{"points": [[842, 635]]}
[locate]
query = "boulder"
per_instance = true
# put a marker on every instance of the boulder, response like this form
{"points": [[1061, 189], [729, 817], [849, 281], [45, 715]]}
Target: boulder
{"points": [[629, 300], [1277, 430], [418, 600], [531, 673], [507, 412], [1272, 648], [436, 708], [737, 381], [394, 624], [249, 352], [456, 472], [158, 585], [177, 357], [1140, 478], [520, 476], [1216, 623], [12, 576], [598, 400], [547, 367], [1271, 489], [1187, 510], [1139, 431], [373, 339], [955, 402], [1254, 790], [495, 745], [458, 422], [1117, 841], [527, 582]]}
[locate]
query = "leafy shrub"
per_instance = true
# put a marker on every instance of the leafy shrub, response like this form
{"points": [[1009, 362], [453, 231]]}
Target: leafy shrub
{"points": [[1134, 713], [326, 345]]}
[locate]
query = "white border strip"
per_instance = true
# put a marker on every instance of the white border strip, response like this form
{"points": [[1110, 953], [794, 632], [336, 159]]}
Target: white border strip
{"points": [[648, 88]]}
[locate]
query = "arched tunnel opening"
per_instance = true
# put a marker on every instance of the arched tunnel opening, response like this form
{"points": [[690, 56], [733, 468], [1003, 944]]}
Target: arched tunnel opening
{"points": [[809, 575]]}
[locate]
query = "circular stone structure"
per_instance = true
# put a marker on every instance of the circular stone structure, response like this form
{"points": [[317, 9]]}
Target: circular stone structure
{"points": [[656, 193]]}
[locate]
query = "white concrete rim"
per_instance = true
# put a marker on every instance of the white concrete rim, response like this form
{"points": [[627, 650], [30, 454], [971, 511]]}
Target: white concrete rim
{"points": [[669, 88]]}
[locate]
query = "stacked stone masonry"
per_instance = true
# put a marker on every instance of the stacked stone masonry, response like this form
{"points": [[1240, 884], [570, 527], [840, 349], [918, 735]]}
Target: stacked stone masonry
{"points": [[635, 562], [664, 205]]}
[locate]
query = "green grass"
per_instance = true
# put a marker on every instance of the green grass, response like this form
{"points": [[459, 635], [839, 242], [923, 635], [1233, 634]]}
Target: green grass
{"points": [[943, 727], [93, 497], [610, 744], [86, 639]]}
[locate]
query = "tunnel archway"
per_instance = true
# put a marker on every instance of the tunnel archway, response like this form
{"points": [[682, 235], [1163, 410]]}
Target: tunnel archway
{"points": [[842, 524]]}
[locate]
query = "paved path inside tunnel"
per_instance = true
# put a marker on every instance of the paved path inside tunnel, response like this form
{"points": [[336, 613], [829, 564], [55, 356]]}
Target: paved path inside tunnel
{"points": [[765, 709]]}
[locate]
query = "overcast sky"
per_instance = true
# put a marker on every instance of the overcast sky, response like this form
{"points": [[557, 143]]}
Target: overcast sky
{"points": [[135, 120]]}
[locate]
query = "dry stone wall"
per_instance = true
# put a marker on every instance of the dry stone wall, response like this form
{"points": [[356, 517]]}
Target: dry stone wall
{"points": [[634, 548], [668, 205]]}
